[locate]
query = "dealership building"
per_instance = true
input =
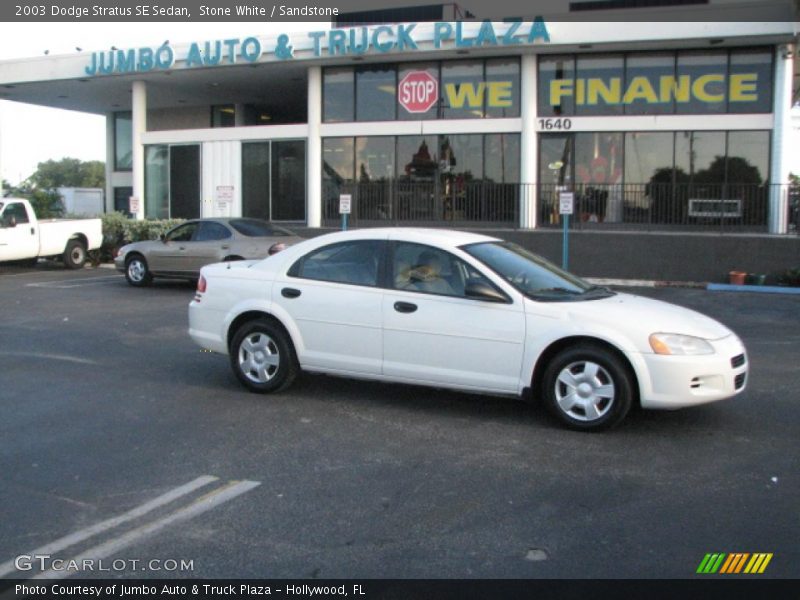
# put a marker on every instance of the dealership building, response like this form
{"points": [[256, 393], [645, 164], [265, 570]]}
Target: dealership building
{"points": [[654, 125]]}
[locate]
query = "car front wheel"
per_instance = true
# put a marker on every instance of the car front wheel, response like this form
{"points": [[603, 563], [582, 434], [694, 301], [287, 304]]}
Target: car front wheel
{"points": [[262, 356], [136, 271], [588, 388]]}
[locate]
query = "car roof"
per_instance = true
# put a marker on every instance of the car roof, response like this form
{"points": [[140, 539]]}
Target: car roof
{"points": [[421, 235]]}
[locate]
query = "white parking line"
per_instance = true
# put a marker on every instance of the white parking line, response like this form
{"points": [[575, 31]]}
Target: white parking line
{"points": [[73, 283], [74, 359], [199, 506], [84, 534]]}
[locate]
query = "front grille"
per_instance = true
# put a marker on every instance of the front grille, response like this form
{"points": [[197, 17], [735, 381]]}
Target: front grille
{"points": [[739, 381], [737, 361]]}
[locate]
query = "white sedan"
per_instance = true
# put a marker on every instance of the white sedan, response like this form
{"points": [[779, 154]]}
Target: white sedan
{"points": [[464, 311]]}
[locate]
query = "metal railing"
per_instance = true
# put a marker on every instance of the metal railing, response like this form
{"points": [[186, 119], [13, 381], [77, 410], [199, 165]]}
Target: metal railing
{"points": [[743, 208]]}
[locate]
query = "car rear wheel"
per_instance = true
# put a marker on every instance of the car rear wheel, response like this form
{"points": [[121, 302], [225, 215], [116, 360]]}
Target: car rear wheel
{"points": [[588, 387], [75, 254], [262, 356], [137, 272]]}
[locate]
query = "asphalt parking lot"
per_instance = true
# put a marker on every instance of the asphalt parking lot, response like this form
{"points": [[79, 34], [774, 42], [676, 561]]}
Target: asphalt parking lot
{"points": [[121, 440]]}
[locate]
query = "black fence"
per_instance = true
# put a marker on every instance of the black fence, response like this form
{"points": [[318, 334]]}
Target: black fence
{"points": [[743, 208]]}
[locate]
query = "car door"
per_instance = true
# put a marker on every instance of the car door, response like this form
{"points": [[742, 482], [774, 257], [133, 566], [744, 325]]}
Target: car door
{"points": [[436, 333], [332, 297], [170, 256], [210, 243], [21, 240]]}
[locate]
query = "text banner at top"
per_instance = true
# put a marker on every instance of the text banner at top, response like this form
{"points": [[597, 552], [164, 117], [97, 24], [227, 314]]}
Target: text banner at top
{"points": [[375, 11]]}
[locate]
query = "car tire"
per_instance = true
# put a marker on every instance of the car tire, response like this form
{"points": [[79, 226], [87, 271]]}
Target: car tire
{"points": [[75, 254], [262, 356], [137, 272], [588, 387]]}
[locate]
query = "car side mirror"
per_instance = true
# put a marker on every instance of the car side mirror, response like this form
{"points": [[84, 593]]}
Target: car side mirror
{"points": [[163, 237], [483, 291]]}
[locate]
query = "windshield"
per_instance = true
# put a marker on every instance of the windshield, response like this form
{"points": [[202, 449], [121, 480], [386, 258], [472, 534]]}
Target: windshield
{"points": [[257, 228], [534, 276]]}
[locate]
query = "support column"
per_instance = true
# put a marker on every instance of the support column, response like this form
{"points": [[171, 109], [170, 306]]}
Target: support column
{"points": [[781, 139], [314, 149], [239, 115], [139, 126], [529, 148], [110, 161]]}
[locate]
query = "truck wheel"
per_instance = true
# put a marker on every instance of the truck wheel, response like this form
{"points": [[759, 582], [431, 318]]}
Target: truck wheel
{"points": [[136, 271], [75, 254]]}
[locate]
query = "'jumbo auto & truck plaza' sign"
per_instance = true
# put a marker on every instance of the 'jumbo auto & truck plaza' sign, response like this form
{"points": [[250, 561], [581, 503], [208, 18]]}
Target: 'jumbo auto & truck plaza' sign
{"points": [[315, 44]]}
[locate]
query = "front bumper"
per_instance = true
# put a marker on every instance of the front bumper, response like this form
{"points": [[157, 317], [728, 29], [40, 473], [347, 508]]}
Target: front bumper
{"points": [[119, 263], [679, 381]]}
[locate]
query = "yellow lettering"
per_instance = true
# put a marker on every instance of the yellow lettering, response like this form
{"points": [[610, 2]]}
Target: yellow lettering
{"points": [[670, 88], [699, 88], [499, 94], [466, 92], [640, 89], [610, 93], [743, 87], [580, 89], [558, 89]]}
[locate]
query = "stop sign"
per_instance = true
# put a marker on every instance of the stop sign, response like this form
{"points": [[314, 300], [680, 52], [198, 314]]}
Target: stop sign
{"points": [[418, 91]]}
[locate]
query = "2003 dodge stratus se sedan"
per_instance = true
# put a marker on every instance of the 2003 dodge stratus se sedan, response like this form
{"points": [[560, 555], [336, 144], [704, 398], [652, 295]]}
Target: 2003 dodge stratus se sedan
{"points": [[462, 311]]}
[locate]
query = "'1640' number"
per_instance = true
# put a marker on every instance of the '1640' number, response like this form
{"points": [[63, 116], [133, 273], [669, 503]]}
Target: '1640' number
{"points": [[555, 124]]}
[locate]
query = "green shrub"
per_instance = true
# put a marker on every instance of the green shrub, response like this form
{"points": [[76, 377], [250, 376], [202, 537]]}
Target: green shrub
{"points": [[119, 230]]}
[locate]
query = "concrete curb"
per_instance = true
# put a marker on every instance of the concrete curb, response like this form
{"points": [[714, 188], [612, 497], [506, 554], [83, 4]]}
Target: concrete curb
{"points": [[758, 289], [711, 287]]}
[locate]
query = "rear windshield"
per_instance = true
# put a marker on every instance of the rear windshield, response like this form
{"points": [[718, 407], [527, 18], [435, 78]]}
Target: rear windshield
{"points": [[257, 228]]}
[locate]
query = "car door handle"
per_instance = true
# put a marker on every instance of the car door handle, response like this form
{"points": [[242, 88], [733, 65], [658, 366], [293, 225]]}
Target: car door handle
{"points": [[290, 293], [181, 247], [33, 231], [225, 247], [405, 307]]}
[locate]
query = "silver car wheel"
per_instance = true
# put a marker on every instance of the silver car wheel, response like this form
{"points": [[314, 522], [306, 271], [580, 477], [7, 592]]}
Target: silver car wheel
{"points": [[136, 270], [259, 357], [585, 391]]}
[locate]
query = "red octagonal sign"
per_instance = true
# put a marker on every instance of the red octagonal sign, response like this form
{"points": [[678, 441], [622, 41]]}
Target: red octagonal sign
{"points": [[418, 91]]}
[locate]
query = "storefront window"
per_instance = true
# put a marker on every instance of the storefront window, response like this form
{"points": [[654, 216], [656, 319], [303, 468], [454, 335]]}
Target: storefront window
{"points": [[701, 156], [649, 157], [601, 78], [556, 80], [502, 158], [643, 76], [156, 182], [184, 173], [416, 156], [705, 91], [223, 115], [375, 159], [337, 160], [288, 189], [502, 88], [255, 180], [750, 81], [376, 89], [682, 82], [748, 157], [338, 97], [463, 89], [123, 141]]}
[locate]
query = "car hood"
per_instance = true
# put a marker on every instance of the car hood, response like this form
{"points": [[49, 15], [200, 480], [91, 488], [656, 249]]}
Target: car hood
{"points": [[638, 316]]}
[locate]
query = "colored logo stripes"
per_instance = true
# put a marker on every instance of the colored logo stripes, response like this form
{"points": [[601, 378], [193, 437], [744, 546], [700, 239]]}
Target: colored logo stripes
{"points": [[737, 562]]}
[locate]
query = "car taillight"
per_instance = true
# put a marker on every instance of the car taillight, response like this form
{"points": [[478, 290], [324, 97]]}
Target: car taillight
{"points": [[201, 285]]}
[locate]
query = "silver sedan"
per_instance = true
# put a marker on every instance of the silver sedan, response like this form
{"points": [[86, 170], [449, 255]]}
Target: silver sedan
{"points": [[182, 251]]}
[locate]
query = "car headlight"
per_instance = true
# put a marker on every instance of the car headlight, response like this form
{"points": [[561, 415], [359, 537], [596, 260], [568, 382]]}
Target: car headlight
{"points": [[677, 344]]}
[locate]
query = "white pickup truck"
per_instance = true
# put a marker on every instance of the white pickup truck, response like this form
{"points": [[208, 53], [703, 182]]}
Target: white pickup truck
{"points": [[25, 238]]}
